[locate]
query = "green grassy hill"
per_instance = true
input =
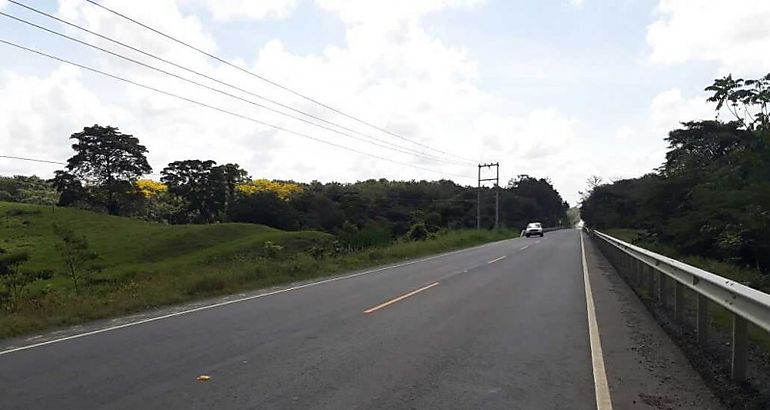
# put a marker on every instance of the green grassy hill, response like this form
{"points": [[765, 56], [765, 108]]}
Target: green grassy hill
{"points": [[143, 265], [127, 245]]}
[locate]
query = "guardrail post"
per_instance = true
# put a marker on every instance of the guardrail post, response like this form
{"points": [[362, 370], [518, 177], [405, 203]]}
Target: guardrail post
{"points": [[662, 288], [703, 319], [650, 279], [740, 346], [678, 302]]}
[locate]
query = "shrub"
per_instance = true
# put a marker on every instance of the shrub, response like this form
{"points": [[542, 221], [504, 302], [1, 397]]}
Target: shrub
{"points": [[418, 232], [77, 257], [272, 249]]}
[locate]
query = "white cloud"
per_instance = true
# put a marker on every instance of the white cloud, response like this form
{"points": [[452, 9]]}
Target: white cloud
{"points": [[576, 3], [669, 108], [38, 114], [390, 71], [735, 34], [3, 3], [384, 12], [539, 134], [625, 134], [228, 10]]}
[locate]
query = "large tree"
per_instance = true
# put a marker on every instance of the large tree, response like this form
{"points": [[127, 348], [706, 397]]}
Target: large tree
{"points": [[108, 162], [208, 189]]}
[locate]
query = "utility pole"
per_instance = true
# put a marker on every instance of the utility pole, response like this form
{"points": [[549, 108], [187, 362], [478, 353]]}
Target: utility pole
{"points": [[497, 194], [478, 202]]}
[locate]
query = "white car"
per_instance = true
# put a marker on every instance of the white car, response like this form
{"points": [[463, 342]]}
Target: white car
{"points": [[534, 229]]}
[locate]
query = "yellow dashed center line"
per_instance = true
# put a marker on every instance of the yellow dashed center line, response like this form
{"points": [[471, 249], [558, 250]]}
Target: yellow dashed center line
{"points": [[400, 298]]}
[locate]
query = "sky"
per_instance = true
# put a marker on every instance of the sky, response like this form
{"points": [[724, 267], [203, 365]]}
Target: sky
{"points": [[558, 89]]}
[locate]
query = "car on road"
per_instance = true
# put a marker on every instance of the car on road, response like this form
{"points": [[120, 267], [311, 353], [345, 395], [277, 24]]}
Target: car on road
{"points": [[534, 229]]}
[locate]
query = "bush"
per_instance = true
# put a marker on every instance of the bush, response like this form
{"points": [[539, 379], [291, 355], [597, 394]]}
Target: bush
{"points": [[272, 249], [317, 252], [418, 232]]}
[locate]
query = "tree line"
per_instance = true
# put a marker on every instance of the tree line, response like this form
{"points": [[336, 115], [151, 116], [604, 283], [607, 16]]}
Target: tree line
{"points": [[711, 197], [106, 175]]}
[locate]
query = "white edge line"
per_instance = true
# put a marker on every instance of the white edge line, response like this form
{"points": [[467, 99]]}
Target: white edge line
{"points": [[498, 259], [244, 299], [601, 387]]}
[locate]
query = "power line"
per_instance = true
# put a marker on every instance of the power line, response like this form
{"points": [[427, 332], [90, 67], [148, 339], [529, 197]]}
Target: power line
{"points": [[396, 148], [32, 159], [273, 83], [222, 110], [391, 146]]}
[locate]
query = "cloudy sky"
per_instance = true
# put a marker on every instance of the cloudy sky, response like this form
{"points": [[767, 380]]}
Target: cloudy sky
{"points": [[563, 89]]}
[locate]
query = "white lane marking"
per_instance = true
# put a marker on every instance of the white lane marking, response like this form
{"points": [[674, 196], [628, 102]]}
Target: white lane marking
{"points": [[400, 298], [601, 387], [523, 247], [497, 259], [453, 274], [244, 299]]}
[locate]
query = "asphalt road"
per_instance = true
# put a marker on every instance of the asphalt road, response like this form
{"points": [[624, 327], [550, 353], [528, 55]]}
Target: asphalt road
{"points": [[465, 330]]}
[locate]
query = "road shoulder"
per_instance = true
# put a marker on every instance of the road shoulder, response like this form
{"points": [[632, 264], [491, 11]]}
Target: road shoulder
{"points": [[645, 369]]}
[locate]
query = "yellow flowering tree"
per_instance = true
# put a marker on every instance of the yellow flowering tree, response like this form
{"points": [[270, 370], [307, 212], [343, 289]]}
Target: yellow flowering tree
{"points": [[284, 190], [149, 188]]}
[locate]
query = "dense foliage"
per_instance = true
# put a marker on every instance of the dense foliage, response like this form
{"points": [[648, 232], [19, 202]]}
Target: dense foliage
{"points": [[105, 174], [29, 190], [712, 195]]}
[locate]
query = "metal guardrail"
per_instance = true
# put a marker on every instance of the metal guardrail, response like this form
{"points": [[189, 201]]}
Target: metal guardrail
{"points": [[649, 269]]}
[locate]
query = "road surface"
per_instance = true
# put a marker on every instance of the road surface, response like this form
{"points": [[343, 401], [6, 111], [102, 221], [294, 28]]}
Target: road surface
{"points": [[500, 326]]}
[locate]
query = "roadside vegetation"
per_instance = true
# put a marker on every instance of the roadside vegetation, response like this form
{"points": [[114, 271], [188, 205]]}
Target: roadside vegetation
{"points": [[709, 203], [63, 266]]}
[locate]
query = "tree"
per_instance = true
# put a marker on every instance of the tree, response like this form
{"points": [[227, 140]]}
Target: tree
{"points": [[107, 161], [264, 208], [77, 257], [231, 175], [551, 208], [200, 185], [747, 100], [71, 190]]}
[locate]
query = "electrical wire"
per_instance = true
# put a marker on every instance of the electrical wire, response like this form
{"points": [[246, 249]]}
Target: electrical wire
{"points": [[222, 110], [229, 85], [33, 159], [398, 149], [271, 82]]}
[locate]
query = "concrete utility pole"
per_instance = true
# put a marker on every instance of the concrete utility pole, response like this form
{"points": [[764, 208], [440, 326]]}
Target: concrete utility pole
{"points": [[478, 202], [497, 194]]}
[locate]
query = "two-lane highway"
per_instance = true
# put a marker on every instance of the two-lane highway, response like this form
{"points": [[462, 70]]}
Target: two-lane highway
{"points": [[498, 326]]}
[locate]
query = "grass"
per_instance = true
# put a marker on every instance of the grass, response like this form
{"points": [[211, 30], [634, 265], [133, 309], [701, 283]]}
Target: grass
{"points": [[147, 265]]}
